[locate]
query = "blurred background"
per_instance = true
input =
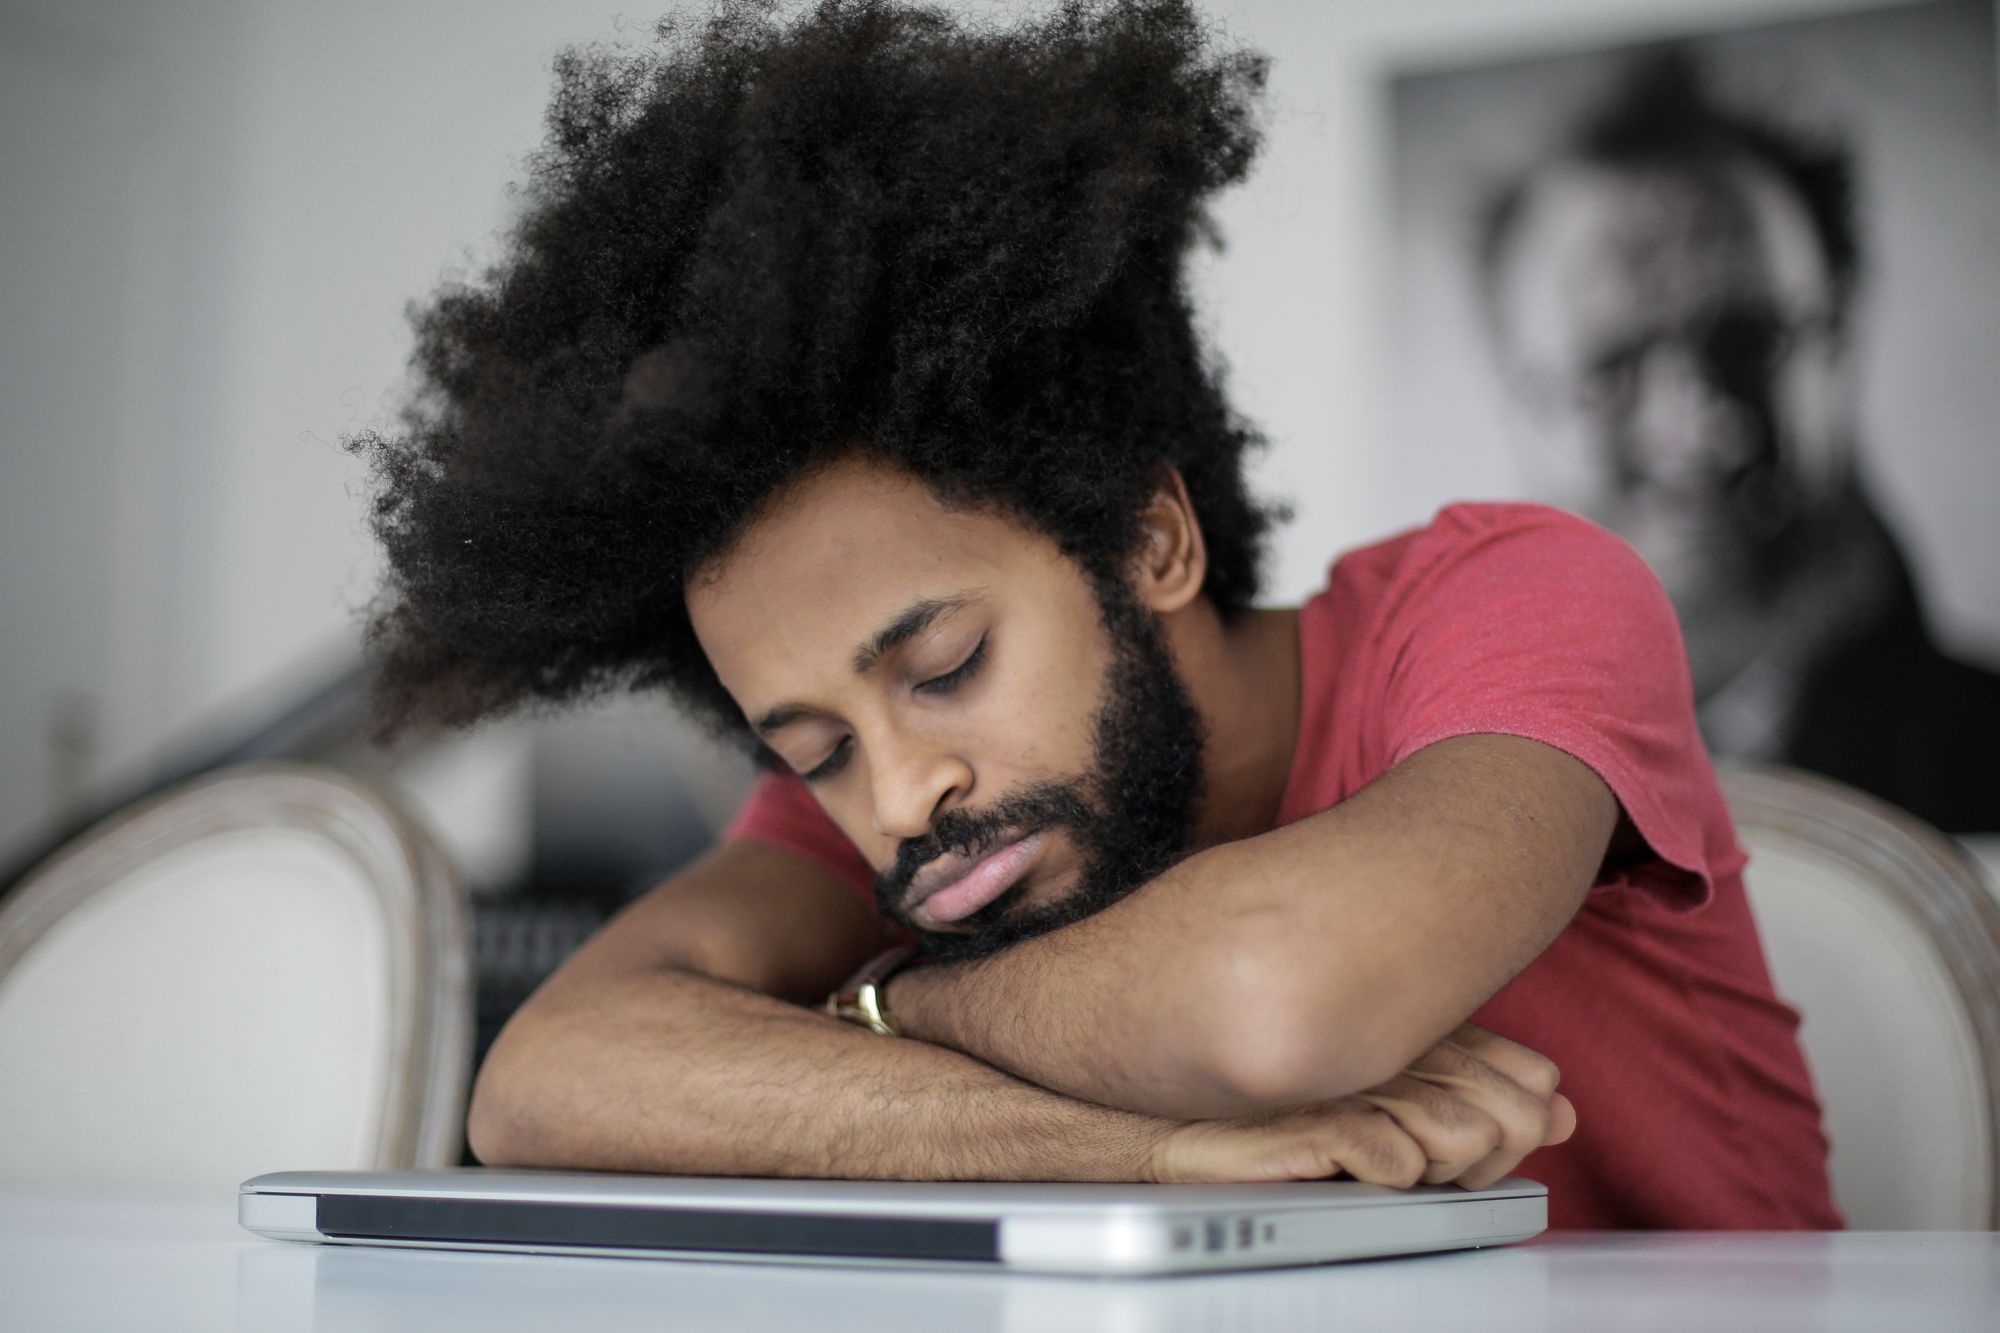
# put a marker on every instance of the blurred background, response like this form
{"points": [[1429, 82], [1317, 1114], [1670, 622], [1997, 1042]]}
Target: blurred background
{"points": [[215, 211]]}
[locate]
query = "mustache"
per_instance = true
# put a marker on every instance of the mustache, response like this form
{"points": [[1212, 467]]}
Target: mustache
{"points": [[975, 833]]}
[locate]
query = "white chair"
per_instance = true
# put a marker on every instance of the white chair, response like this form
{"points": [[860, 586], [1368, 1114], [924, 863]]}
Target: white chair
{"points": [[263, 969], [1883, 935]]}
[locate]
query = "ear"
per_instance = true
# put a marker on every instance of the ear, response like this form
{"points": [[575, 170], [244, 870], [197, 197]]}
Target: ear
{"points": [[1171, 562]]}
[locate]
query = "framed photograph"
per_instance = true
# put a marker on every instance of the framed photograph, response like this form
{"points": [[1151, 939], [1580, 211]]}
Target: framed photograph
{"points": [[1736, 296]]}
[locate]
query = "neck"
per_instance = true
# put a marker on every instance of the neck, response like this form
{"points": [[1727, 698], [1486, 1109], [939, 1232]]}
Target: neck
{"points": [[1244, 678]]}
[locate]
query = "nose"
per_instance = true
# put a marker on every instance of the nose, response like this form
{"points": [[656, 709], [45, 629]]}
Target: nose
{"points": [[912, 780], [1686, 431]]}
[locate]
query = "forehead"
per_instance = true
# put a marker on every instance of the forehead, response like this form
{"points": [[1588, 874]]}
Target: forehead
{"points": [[829, 562], [1601, 248]]}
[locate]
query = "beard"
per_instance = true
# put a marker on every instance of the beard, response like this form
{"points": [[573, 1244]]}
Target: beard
{"points": [[1131, 815]]}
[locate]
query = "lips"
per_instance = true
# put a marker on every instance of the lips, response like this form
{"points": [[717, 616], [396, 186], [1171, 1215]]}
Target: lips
{"points": [[954, 887]]}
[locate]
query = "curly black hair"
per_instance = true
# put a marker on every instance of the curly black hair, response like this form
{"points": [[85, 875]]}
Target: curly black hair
{"points": [[760, 242], [1660, 111]]}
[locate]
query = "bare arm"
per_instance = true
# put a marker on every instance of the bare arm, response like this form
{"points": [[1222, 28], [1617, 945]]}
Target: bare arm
{"points": [[668, 1044], [1304, 964]]}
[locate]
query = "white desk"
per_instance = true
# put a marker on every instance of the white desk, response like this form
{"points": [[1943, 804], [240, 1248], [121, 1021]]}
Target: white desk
{"points": [[106, 1264]]}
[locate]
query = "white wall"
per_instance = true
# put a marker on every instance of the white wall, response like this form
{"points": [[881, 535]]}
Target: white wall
{"points": [[1912, 93], [216, 211], [121, 163], [240, 197]]}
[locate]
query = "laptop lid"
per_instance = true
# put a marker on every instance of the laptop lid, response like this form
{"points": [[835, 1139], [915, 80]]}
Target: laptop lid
{"points": [[1051, 1228]]}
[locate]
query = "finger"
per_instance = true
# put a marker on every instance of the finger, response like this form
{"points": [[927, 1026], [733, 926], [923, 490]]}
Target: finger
{"points": [[1562, 1120], [1497, 1167], [1525, 1120], [1530, 1069], [1454, 1133], [1368, 1144], [1503, 1161], [1523, 1116]]}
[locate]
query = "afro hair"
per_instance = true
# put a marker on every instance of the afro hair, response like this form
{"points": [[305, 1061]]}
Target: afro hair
{"points": [[761, 241]]}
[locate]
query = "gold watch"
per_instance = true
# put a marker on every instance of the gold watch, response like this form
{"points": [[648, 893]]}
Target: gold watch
{"points": [[860, 1000]]}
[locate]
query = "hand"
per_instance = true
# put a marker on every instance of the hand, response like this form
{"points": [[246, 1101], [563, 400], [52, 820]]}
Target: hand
{"points": [[1467, 1112], [1477, 1104]]}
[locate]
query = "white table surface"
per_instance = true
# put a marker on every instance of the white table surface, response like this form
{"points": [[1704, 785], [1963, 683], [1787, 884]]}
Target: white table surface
{"points": [[106, 1263]]}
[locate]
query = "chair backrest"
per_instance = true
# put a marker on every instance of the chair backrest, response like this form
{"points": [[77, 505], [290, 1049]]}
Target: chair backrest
{"points": [[1886, 939], [263, 969]]}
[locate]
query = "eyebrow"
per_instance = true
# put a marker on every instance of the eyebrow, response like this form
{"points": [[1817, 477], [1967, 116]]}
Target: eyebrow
{"points": [[913, 620]]}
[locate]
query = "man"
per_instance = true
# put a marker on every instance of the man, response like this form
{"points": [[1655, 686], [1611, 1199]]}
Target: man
{"points": [[842, 383], [1673, 298]]}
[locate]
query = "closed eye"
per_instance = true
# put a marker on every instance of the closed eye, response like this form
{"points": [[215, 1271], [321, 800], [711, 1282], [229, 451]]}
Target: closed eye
{"points": [[958, 675], [945, 684], [830, 765]]}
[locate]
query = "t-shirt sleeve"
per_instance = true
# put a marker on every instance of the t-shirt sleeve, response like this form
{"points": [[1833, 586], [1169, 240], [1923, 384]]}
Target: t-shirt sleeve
{"points": [[780, 810], [1528, 621]]}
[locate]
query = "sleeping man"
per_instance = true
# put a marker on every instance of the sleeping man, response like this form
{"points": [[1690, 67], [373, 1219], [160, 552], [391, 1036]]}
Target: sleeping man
{"points": [[840, 383]]}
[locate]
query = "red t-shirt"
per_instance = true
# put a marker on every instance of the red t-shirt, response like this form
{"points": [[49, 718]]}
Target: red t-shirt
{"points": [[1693, 1102]]}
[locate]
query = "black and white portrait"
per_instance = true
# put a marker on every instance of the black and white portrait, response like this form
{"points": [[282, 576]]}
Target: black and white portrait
{"points": [[1737, 297]]}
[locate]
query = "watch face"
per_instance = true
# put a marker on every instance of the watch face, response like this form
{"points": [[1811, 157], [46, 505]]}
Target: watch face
{"points": [[860, 1000], [850, 1007]]}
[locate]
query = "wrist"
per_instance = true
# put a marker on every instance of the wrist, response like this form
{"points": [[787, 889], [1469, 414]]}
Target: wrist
{"points": [[864, 1001], [906, 994]]}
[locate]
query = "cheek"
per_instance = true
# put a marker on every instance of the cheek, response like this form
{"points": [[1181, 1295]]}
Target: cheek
{"points": [[1813, 416], [1037, 721], [1031, 721]]}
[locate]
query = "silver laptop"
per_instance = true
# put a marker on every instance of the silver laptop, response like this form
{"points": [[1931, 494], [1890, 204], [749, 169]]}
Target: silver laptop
{"points": [[1095, 1229]]}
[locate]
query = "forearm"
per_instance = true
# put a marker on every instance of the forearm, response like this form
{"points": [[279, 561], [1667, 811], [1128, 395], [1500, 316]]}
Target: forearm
{"points": [[1305, 963], [669, 1072], [1120, 1009]]}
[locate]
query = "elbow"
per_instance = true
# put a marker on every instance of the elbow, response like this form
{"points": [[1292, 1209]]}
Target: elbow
{"points": [[500, 1119], [1274, 1039], [1271, 1062], [491, 1130], [493, 1126]]}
